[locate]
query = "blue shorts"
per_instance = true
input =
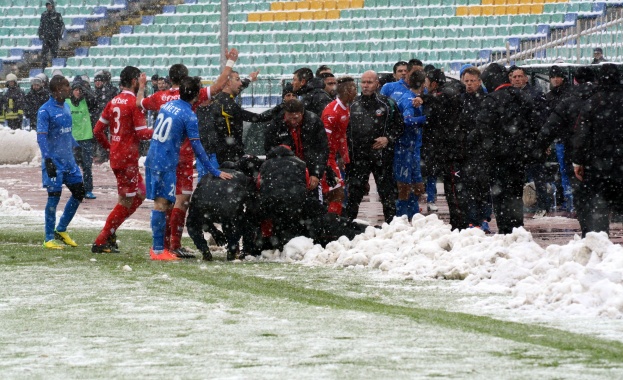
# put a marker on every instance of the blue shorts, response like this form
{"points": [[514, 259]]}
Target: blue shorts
{"points": [[66, 176], [407, 164], [160, 184]]}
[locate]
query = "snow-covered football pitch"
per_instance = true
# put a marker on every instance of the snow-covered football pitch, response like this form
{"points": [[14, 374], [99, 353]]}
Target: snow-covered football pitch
{"points": [[413, 311]]}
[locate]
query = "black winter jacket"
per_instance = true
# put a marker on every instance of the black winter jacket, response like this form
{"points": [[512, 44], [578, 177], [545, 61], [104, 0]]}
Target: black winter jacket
{"points": [[372, 117], [313, 138], [470, 107], [33, 101], [316, 99], [102, 96], [51, 26], [598, 143], [506, 128], [222, 134], [283, 181]]}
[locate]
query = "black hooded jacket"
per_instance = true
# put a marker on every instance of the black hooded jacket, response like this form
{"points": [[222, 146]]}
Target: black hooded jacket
{"points": [[316, 98], [598, 142], [34, 100], [51, 26], [372, 117], [313, 138], [283, 181]]}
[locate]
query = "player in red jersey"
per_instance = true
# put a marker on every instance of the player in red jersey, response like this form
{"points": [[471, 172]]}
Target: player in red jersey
{"points": [[335, 118], [127, 126], [184, 174]]}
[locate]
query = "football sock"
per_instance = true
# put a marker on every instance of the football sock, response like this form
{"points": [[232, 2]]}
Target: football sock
{"points": [[413, 206], [50, 217], [135, 205], [114, 220], [167, 229], [402, 207], [178, 217], [158, 223], [68, 214]]}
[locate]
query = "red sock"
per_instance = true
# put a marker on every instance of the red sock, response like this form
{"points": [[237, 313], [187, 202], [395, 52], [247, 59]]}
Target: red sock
{"points": [[267, 228], [167, 231], [178, 217], [135, 204], [335, 208], [114, 220]]}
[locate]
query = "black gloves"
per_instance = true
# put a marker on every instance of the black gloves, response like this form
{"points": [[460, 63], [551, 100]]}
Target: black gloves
{"points": [[331, 177], [50, 168]]}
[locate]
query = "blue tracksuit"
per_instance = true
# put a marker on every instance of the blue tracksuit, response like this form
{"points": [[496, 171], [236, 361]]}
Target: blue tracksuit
{"points": [[395, 90], [407, 149]]}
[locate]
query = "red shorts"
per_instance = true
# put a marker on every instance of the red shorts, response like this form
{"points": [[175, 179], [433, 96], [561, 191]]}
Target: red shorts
{"points": [[184, 178], [340, 181], [129, 181]]}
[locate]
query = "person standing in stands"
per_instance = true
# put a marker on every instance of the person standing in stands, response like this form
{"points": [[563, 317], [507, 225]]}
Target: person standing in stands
{"points": [[82, 130], [13, 103], [335, 118], [176, 216], [128, 127], [375, 125], [50, 31], [176, 122], [598, 56], [58, 166]]}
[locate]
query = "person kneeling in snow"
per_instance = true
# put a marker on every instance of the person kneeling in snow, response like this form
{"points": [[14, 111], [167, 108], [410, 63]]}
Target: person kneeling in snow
{"points": [[289, 207], [231, 203]]}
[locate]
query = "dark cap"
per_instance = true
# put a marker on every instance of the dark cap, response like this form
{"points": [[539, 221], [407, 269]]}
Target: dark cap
{"points": [[609, 75], [99, 76], [598, 50], [584, 74], [77, 82], [155, 77], [287, 89], [436, 76], [556, 72]]}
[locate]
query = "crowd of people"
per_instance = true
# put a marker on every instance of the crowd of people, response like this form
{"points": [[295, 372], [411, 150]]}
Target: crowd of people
{"points": [[481, 136]]}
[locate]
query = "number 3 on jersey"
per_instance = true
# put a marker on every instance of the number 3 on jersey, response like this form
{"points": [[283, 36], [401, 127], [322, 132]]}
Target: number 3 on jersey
{"points": [[162, 128]]}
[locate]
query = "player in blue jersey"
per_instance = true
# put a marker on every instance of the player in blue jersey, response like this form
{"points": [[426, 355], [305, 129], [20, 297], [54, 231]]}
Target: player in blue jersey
{"points": [[57, 162], [394, 90], [407, 170], [176, 121]]}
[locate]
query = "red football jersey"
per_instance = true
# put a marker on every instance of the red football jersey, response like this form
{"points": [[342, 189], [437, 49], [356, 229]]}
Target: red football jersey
{"points": [[335, 118], [157, 100], [127, 126]]}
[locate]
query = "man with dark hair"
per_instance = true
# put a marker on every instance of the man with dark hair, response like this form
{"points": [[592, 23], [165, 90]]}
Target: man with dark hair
{"points": [[222, 134], [317, 99], [407, 156], [58, 165], [476, 189], [176, 122], [598, 56], [414, 64], [155, 83], [37, 96], [184, 182], [598, 149], [301, 79], [560, 126], [304, 133], [394, 90], [50, 31], [374, 126], [335, 118], [323, 69], [128, 127], [104, 92], [504, 138], [164, 83]]}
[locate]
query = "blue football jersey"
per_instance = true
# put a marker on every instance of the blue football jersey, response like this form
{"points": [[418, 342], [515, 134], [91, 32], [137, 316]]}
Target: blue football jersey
{"points": [[54, 119], [176, 121]]}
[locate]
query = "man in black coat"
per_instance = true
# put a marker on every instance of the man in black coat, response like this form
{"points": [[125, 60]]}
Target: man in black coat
{"points": [[375, 124], [104, 92], [560, 127], [50, 30], [232, 203], [505, 137], [318, 98], [598, 149], [223, 131], [304, 133], [37, 96]]}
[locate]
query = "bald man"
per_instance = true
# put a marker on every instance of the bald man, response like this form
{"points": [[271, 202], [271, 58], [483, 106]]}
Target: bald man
{"points": [[375, 124]]}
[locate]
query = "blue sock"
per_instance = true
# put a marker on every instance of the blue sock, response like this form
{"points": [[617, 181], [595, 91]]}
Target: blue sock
{"points": [[413, 206], [50, 217], [158, 224], [402, 207], [68, 214]]}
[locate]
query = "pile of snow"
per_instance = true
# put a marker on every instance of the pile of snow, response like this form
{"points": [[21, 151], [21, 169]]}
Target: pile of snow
{"points": [[18, 147], [13, 204], [583, 277]]}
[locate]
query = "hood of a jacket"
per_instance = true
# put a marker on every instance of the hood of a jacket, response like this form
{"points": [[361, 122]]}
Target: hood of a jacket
{"points": [[316, 83], [280, 151], [494, 76]]}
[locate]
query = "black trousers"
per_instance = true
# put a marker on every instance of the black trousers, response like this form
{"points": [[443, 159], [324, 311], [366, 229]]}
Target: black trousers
{"points": [[457, 195], [357, 178], [604, 192], [507, 182], [49, 46]]}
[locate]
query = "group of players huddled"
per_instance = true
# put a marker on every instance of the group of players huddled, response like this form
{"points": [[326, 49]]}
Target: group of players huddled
{"points": [[321, 145]]}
